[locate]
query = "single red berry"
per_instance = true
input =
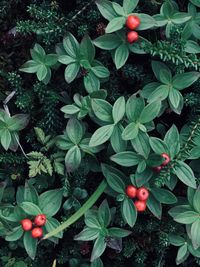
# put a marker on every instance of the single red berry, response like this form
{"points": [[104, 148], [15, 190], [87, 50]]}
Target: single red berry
{"points": [[132, 37], [131, 191], [37, 232], [157, 169], [142, 193], [140, 205], [166, 159], [26, 224], [132, 22], [40, 220]]}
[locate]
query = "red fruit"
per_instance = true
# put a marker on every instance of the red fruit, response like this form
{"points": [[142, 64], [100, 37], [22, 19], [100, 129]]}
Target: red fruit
{"points": [[157, 169], [37, 232], [166, 159], [26, 224], [131, 191], [40, 220], [132, 22], [132, 37], [142, 193], [140, 205]]}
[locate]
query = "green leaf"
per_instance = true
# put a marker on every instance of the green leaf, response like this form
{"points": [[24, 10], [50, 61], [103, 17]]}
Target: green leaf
{"points": [[92, 220], [121, 55], [131, 131], [71, 45], [185, 174], [172, 141], [154, 206], [73, 158], [126, 159], [180, 18], [30, 193], [118, 110], [159, 94], [102, 109], [30, 245], [30, 208], [176, 240], [108, 41], [5, 138], [190, 195], [164, 196], [104, 213], [161, 71], [42, 72], [182, 254], [113, 177], [141, 144], [146, 22], [141, 178], [16, 234], [195, 233], [196, 200], [30, 67], [129, 6], [99, 248], [184, 80], [179, 209], [192, 47], [158, 145], [87, 234], [106, 9], [174, 98], [71, 72], [50, 201], [51, 60], [118, 232], [64, 59], [150, 112], [134, 107], [118, 144], [118, 9], [70, 109], [195, 2], [75, 130], [186, 217], [91, 82], [52, 224], [87, 49], [129, 212], [97, 263], [18, 122], [101, 135], [115, 24], [100, 71]]}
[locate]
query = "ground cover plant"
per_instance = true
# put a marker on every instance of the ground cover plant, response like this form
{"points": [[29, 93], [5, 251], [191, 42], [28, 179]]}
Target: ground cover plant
{"points": [[100, 133]]}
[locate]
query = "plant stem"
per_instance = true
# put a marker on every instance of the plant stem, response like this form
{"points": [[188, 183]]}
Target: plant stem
{"points": [[77, 215]]}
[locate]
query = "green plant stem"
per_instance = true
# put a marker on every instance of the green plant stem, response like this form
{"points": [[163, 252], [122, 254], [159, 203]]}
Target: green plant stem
{"points": [[77, 215]]}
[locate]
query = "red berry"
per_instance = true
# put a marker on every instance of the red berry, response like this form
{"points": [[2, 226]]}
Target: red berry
{"points": [[166, 159], [26, 224], [157, 169], [37, 232], [40, 220], [132, 22], [132, 37], [131, 191], [142, 193], [140, 205]]}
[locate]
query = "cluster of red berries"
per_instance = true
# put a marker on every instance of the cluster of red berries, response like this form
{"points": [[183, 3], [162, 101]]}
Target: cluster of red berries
{"points": [[34, 227], [132, 23], [142, 194], [165, 163]]}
